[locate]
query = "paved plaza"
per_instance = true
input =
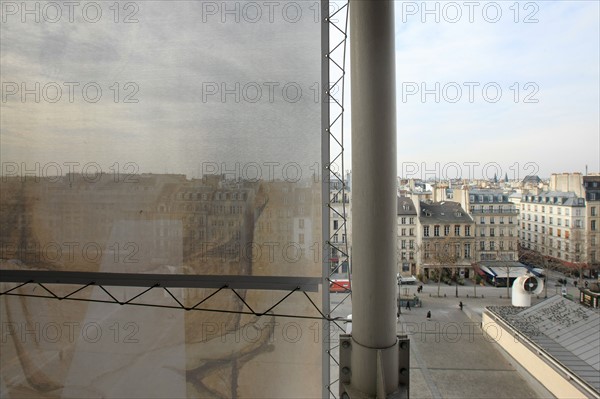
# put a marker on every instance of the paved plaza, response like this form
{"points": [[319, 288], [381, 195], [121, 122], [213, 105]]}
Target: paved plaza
{"points": [[450, 355]]}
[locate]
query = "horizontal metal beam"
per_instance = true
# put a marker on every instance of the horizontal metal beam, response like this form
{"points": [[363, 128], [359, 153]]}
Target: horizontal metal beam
{"points": [[278, 283]]}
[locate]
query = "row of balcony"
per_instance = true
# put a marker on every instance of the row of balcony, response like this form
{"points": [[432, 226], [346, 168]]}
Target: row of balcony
{"points": [[496, 211]]}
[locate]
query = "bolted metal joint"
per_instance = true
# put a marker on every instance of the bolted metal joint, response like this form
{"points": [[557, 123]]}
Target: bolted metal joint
{"points": [[401, 349]]}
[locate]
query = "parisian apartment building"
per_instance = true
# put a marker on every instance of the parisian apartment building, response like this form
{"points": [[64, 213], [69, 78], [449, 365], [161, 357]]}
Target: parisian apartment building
{"points": [[433, 235], [160, 220], [446, 237], [496, 224], [407, 236], [562, 222], [591, 186], [553, 223], [559, 218]]}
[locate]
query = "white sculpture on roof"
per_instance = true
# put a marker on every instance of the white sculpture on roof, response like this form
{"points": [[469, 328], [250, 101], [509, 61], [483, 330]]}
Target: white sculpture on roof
{"points": [[524, 287]]}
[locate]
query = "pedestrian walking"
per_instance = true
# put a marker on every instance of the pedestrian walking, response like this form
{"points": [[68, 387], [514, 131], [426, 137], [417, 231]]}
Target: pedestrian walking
{"points": [[429, 314], [460, 305], [407, 304]]}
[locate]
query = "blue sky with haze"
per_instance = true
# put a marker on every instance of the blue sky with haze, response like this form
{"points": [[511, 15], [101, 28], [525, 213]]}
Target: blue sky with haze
{"points": [[557, 57], [559, 54]]}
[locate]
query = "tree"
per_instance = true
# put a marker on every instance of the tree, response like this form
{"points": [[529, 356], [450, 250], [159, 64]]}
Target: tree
{"points": [[444, 254], [579, 252], [475, 268], [476, 276]]}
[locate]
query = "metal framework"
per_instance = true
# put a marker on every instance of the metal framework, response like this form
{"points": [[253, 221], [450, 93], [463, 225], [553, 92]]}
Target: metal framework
{"points": [[334, 70], [86, 280], [283, 283]]}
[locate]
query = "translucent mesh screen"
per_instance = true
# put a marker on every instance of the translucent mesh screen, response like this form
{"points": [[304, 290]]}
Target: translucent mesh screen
{"points": [[168, 137]]}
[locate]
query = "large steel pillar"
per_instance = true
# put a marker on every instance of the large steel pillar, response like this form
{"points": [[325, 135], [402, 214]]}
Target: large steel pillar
{"points": [[374, 364]]}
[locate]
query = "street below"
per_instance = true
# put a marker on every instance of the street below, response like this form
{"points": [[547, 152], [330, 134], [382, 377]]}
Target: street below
{"points": [[451, 357]]}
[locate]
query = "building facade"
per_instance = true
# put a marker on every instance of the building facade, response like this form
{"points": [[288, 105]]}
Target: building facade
{"points": [[407, 237], [72, 223], [445, 238], [562, 223], [553, 223], [591, 185], [496, 225]]}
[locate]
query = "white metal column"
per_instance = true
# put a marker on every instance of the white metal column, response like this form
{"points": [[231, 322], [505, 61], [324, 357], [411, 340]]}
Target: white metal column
{"points": [[374, 360]]}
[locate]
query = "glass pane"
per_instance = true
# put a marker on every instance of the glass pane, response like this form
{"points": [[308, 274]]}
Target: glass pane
{"points": [[173, 137]]}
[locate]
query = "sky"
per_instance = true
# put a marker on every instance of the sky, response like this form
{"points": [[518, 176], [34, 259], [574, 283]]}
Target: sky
{"points": [[539, 112], [171, 62], [188, 87]]}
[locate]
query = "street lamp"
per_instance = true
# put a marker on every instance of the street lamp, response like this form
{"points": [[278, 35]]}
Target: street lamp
{"points": [[399, 295], [456, 281]]}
